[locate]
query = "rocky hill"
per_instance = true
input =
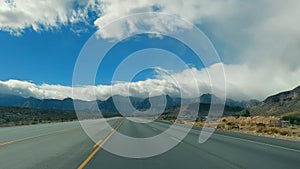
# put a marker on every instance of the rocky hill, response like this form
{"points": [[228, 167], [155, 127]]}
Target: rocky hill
{"points": [[282, 104]]}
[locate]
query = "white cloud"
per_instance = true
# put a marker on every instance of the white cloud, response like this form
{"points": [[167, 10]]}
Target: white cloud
{"points": [[243, 83], [259, 41], [17, 15], [246, 31]]}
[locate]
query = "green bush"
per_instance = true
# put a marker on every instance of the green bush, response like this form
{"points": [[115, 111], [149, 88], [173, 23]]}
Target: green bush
{"points": [[246, 114], [292, 119]]}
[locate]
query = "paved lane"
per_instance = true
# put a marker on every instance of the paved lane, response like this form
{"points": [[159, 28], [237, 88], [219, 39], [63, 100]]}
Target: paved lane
{"points": [[66, 145], [222, 150], [57, 146]]}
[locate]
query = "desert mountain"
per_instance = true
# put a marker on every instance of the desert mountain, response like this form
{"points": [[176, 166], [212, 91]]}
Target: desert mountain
{"points": [[282, 104], [108, 106]]}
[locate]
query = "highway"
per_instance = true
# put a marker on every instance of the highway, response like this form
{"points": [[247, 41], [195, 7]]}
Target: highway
{"points": [[66, 145]]}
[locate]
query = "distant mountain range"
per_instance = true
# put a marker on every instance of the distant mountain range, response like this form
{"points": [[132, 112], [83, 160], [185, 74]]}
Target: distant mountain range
{"points": [[282, 104], [32, 110], [108, 106]]}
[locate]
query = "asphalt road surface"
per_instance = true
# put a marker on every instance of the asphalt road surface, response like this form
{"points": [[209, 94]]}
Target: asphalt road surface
{"points": [[66, 145]]}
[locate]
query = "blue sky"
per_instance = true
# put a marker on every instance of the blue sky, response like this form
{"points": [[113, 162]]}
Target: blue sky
{"points": [[40, 42], [41, 57], [50, 56], [151, 51]]}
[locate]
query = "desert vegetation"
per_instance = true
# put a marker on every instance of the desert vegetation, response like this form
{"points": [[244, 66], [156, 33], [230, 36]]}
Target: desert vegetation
{"points": [[262, 125], [12, 116], [258, 125]]}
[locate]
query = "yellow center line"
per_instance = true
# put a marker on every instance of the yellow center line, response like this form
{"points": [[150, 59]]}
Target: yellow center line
{"points": [[88, 159], [98, 143], [36, 136]]}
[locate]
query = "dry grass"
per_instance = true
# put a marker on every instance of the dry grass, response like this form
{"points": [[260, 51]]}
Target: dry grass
{"points": [[259, 125]]}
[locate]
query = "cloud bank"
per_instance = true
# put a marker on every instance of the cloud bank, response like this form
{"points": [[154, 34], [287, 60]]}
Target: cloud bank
{"points": [[242, 84]]}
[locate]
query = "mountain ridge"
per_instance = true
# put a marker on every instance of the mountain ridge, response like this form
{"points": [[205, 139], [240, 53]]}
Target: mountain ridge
{"points": [[285, 103], [104, 105]]}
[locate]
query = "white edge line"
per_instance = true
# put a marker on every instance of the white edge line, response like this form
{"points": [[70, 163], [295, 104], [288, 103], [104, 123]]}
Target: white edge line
{"points": [[256, 142]]}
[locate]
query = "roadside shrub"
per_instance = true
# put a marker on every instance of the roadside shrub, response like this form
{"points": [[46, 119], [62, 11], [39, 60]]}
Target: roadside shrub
{"points": [[292, 119], [261, 125], [221, 126], [243, 123], [229, 124], [260, 128], [272, 131], [284, 132]]}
